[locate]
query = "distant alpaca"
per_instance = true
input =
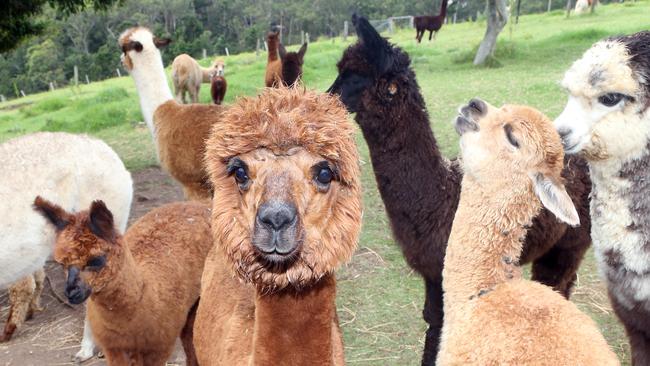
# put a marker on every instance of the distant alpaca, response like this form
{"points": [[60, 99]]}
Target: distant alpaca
{"points": [[431, 23], [607, 120], [583, 5], [286, 214], [285, 69], [143, 286], [218, 88], [188, 75], [70, 170], [375, 81], [179, 131], [492, 315]]}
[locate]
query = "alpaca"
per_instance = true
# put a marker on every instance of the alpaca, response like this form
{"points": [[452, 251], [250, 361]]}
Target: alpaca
{"points": [[287, 68], [188, 75], [179, 131], [218, 88], [492, 315], [286, 214], [583, 5], [142, 286], [70, 170], [431, 23], [376, 82], [607, 120]]}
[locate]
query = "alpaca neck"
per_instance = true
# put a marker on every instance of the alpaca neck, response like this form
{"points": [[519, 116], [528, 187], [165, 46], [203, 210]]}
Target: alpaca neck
{"points": [[486, 238], [120, 287], [272, 45], [443, 9], [205, 74], [416, 183], [295, 327], [151, 83]]}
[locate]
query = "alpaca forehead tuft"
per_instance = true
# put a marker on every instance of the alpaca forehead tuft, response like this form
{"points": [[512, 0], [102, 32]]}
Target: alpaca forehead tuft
{"points": [[136, 34], [605, 67]]}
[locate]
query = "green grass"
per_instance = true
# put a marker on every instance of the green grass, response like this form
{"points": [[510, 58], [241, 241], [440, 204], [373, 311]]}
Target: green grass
{"points": [[380, 298]]}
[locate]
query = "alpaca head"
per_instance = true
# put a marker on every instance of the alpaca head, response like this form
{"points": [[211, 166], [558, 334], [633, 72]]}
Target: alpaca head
{"points": [[138, 44], [218, 67], [515, 147], [85, 243], [373, 74], [292, 64], [287, 207], [607, 115]]}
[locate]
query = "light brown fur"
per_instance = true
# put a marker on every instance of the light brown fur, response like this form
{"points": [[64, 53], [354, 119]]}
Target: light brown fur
{"points": [[287, 315], [188, 75], [492, 315], [141, 298], [24, 301]]}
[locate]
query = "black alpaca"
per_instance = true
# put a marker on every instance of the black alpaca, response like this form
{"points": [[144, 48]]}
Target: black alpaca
{"points": [[421, 189], [431, 23]]}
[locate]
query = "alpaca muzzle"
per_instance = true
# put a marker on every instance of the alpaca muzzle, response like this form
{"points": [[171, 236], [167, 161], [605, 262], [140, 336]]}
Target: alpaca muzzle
{"points": [[75, 289], [277, 233]]}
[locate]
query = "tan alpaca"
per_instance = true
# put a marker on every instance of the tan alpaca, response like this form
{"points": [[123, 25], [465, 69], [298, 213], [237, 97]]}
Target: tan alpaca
{"points": [[188, 75], [179, 130], [512, 159], [143, 286], [286, 214]]}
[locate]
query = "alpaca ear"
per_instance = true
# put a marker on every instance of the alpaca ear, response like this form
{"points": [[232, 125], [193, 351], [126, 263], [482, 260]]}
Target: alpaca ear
{"points": [[161, 42], [101, 221], [377, 49], [54, 214], [282, 50], [302, 51], [555, 198]]}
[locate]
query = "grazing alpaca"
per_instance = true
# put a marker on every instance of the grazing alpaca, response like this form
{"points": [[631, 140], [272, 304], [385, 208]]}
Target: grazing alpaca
{"points": [[143, 286], [70, 170], [431, 23], [188, 75], [492, 315], [286, 214], [607, 120], [218, 88], [376, 82], [179, 131], [287, 68]]}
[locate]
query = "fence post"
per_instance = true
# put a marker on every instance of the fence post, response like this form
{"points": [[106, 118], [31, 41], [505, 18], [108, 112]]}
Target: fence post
{"points": [[345, 31], [2, 98], [391, 26], [227, 53], [22, 92], [205, 53], [412, 21], [306, 37], [266, 47], [257, 48], [302, 37], [119, 74], [548, 8], [51, 86], [87, 80], [76, 76]]}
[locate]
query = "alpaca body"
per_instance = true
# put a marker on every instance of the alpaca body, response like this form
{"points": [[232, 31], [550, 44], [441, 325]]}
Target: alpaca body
{"points": [[431, 23], [282, 68], [178, 130], [376, 81], [273, 75], [218, 88]]}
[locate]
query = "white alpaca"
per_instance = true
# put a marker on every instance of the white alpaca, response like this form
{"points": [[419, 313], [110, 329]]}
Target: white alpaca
{"points": [[70, 170]]}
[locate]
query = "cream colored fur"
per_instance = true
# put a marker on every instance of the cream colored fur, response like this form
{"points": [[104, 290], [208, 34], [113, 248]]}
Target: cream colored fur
{"points": [[188, 75]]}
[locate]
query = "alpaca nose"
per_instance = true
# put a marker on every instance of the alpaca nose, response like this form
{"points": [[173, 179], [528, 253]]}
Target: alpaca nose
{"points": [[478, 106], [277, 215]]}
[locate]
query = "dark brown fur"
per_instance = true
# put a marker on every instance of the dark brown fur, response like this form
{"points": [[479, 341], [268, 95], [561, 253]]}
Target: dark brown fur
{"points": [[421, 189], [282, 68], [431, 23], [218, 89], [145, 294]]}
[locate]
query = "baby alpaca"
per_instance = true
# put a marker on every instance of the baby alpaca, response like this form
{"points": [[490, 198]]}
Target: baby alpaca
{"points": [[492, 315], [286, 214], [143, 286], [607, 120]]}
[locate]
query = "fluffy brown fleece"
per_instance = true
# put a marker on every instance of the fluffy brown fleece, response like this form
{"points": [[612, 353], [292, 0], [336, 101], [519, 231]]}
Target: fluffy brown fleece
{"points": [[492, 316], [283, 314], [24, 300], [142, 286]]}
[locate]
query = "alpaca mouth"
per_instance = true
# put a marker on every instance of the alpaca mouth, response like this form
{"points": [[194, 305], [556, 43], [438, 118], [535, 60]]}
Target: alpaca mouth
{"points": [[463, 125]]}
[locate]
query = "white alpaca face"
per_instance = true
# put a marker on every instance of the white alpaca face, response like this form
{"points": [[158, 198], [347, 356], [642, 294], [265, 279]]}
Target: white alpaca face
{"points": [[604, 116], [138, 42]]}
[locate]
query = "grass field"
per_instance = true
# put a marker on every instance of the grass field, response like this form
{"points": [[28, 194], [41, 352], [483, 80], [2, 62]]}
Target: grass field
{"points": [[380, 298]]}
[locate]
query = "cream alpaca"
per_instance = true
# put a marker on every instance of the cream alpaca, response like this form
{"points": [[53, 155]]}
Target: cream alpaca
{"points": [[70, 170], [179, 131], [492, 315], [188, 75]]}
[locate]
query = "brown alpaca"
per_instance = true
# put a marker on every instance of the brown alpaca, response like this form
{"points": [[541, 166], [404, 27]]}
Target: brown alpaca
{"points": [[492, 315], [179, 131], [282, 67], [143, 286], [286, 214], [188, 75], [218, 88], [24, 300]]}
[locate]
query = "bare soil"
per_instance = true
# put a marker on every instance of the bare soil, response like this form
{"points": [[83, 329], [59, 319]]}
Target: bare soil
{"points": [[52, 337]]}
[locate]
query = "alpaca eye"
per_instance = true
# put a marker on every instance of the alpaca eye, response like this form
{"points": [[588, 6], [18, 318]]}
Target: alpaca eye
{"points": [[240, 175], [239, 169], [96, 263], [511, 138], [325, 176], [611, 99]]}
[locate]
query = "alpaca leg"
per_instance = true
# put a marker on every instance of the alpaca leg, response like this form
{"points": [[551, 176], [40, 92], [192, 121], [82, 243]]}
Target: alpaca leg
{"points": [[35, 304], [187, 337], [20, 298], [432, 313], [117, 358], [430, 34], [640, 345], [87, 350], [194, 94], [557, 268], [152, 359]]}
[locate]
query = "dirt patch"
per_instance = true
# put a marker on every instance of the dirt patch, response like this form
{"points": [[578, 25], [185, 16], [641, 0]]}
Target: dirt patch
{"points": [[52, 337]]}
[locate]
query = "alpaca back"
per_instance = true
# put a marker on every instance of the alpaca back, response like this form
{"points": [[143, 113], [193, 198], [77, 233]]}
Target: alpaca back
{"points": [[70, 170], [186, 72]]}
